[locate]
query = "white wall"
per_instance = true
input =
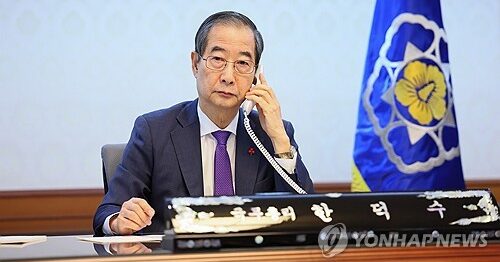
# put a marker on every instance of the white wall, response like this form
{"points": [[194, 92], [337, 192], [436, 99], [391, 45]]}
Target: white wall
{"points": [[75, 74]]}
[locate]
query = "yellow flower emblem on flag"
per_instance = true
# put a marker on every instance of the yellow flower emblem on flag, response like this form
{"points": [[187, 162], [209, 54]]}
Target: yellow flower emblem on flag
{"points": [[422, 89]]}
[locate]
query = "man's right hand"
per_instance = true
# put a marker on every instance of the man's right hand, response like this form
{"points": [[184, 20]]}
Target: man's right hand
{"points": [[134, 215]]}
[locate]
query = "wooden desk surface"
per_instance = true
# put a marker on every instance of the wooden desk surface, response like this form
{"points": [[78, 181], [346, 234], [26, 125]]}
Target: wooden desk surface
{"points": [[69, 248]]}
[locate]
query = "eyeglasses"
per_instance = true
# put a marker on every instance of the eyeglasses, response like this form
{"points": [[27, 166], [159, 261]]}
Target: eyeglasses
{"points": [[218, 63]]}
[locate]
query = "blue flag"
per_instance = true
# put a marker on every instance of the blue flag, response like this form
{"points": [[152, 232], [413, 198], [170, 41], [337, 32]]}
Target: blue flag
{"points": [[407, 137]]}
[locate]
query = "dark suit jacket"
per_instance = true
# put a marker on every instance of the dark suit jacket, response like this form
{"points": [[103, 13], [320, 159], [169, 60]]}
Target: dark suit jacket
{"points": [[163, 159]]}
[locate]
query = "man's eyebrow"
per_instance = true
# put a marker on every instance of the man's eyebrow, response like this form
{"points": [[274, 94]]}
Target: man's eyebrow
{"points": [[243, 53], [247, 54]]}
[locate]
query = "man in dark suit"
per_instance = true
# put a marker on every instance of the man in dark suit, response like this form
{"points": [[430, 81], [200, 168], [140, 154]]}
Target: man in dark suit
{"points": [[171, 151]]}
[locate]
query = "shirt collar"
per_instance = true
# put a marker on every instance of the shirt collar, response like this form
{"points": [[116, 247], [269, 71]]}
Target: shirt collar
{"points": [[207, 126]]}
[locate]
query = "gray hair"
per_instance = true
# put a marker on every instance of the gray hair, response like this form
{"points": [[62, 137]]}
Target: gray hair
{"points": [[227, 17]]}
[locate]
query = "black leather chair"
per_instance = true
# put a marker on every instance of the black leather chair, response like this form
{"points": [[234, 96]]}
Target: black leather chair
{"points": [[111, 155]]}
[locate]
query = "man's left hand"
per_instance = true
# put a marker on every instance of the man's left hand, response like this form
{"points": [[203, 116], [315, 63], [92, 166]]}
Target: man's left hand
{"points": [[270, 114]]}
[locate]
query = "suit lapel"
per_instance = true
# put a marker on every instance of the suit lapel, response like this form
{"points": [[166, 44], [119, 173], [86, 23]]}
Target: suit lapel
{"points": [[186, 140], [247, 163]]}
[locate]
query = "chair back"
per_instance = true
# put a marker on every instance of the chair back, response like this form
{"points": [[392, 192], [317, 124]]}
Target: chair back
{"points": [[111, 155]]}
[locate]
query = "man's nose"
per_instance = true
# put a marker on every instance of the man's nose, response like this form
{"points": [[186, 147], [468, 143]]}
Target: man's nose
{"points": [[227, 75]]}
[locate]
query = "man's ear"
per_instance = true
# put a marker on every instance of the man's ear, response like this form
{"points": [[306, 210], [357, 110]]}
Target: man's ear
{"points": [[194, 62]]}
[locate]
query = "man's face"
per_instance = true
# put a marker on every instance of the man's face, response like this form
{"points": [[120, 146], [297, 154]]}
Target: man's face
{"points": [[226, 89]]}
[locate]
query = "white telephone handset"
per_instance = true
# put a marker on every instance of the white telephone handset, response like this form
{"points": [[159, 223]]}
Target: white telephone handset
{"points": [[247, 107]]}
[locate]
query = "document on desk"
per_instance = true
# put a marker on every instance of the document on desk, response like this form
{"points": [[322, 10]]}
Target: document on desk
{"points": [[20, 241], [123, 239]]}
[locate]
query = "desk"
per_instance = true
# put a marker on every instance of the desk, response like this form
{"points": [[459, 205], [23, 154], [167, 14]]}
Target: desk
{"points": [[69, 248]]}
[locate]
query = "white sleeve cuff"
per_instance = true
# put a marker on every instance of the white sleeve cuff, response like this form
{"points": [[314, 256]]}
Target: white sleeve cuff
{"points": [[106, 228], [288, 164]]}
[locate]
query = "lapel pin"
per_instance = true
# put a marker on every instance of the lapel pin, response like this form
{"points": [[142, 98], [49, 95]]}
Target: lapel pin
{"points": [[251, 151]]}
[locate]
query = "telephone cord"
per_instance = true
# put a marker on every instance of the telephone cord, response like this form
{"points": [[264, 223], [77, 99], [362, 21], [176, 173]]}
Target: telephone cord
{"points": [[270, 159]]}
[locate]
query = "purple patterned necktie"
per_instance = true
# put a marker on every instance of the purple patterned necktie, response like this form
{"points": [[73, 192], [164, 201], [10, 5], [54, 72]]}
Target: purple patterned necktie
{"points": [[223, 181]]}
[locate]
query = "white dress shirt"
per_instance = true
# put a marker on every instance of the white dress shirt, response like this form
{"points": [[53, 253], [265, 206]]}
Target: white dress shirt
{"points": [[208, 145]]}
